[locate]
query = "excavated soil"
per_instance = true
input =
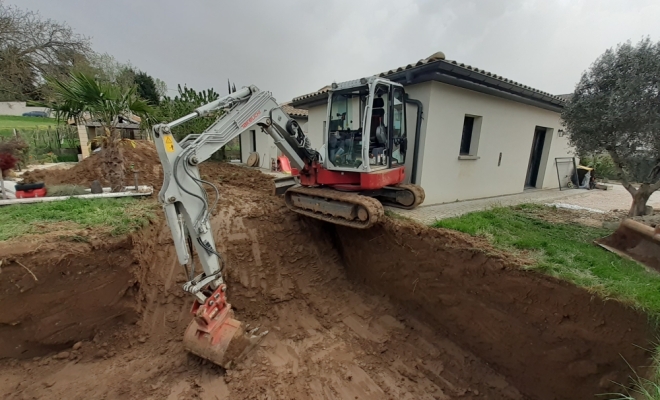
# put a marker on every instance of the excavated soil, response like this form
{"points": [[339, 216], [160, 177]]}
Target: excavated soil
{"points": [[143, 159], [395, 312]]}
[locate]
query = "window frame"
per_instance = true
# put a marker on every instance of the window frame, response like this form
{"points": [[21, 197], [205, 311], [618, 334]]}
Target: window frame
{"points": [[475, 135]]}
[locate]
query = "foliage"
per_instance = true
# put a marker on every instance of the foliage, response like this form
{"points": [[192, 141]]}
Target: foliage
{"points": [[32, 47], [603, 165], [7, 162], [616, 108], [67, 158], [83, 96], [146, 88], [643, 388], [17, 147], [183, 104], [107, 216], [564, 251]]}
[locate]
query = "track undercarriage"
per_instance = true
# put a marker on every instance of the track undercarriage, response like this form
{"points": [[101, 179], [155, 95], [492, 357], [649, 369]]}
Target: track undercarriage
{"points": [[359, 209]]}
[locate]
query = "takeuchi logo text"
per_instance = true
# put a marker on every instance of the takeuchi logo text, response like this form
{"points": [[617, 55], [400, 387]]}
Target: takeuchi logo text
{"points": [[251, 119]]}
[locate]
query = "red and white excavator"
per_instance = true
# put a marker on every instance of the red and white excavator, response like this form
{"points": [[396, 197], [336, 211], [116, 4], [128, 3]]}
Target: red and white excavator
{"points": [[359, 168]]}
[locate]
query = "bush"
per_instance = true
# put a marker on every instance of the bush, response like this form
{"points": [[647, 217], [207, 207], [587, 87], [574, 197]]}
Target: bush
{"points": [[603, 165], [17, 147], [67, 158]]}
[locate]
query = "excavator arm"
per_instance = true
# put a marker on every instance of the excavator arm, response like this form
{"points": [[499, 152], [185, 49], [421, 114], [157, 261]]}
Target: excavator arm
{"points": [[214, 334], [183, 193]]}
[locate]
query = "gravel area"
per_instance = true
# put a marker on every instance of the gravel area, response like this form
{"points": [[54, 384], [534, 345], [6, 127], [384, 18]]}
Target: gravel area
{"points": [[617, 198]]}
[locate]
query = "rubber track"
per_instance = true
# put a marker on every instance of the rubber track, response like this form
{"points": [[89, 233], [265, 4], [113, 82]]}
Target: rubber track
{"points": [[373, 206], [416, 190]]}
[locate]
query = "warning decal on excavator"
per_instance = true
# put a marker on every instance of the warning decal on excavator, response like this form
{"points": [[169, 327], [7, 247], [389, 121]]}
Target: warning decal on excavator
{"points": [[169, 143]]}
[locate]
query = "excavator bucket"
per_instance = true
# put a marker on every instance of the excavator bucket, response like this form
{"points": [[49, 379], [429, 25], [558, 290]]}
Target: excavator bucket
{"points": [[216, 336], [636, 241]]}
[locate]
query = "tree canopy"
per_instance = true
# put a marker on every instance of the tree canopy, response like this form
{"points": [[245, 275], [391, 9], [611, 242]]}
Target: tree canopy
{"points": [[616, 109], [183, 104], [33, 47]]}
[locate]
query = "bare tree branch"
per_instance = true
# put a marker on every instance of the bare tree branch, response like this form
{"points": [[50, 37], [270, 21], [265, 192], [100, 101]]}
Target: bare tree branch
{"points": [[32, 47]]}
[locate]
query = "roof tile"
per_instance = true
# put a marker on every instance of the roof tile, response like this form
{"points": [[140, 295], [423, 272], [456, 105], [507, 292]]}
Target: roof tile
{"points": [[433, 59]]}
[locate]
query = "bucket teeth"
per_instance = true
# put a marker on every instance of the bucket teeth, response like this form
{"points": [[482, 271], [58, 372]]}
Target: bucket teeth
{"points": [[226, 345]]}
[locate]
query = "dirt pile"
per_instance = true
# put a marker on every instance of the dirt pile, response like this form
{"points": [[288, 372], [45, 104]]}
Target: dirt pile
{"points": [[395, 312], [144, 159]]}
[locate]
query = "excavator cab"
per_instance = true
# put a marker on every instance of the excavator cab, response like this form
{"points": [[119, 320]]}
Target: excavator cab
{"points": [[366, 125]]}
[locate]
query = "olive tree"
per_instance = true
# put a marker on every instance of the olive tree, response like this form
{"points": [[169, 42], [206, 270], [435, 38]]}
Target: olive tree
{"points": [[615, 109]]}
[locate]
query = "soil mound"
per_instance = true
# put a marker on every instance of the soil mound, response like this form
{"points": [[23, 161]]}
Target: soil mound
{"points": [[144, 159]]}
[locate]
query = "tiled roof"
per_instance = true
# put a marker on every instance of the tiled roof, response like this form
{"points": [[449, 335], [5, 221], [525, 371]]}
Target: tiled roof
{"points": [[323, 90], [294, 112], [460, 70], [566, 96]]}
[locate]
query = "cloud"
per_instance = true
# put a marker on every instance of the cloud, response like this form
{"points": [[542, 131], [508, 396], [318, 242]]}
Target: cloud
{"points": [[292, 47]]}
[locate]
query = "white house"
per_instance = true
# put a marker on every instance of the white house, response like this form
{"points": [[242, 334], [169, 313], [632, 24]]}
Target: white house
{"points": [[481, 135], [255, 141]]}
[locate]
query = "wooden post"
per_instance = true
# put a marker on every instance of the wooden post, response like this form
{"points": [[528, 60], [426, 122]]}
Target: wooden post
{"points": [[2, 185]]}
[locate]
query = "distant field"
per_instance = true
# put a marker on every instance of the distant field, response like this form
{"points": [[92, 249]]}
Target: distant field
{"points": [[10, 122]]}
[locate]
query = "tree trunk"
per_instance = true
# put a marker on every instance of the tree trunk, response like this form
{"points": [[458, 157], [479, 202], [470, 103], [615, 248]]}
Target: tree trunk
{"points": [[640, 197], [113, 162]]}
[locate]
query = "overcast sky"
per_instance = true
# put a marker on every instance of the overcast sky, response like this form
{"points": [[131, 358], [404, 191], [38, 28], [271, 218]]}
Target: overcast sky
{"points": [[292, 47]]}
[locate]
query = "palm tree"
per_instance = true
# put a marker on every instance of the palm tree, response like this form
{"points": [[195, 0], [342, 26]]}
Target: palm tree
{"points": [[82, 96]]}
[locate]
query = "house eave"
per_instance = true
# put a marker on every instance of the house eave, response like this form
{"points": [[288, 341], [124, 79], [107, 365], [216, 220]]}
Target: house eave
{"points": [[459, 76]]}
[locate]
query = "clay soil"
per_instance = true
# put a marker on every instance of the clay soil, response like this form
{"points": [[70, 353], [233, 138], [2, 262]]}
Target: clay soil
{"points": [[399, 311]]}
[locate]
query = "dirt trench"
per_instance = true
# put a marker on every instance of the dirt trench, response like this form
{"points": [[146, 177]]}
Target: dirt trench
{"points": [[395, 312]]}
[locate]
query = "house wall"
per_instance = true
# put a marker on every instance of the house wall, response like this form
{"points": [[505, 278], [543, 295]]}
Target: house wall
{"points": [[17, 108], [316, 117], [421, 92], [507, 127], [265, 144]]}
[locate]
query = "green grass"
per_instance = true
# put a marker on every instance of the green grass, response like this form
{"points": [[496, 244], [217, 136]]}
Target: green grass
{"points": [[565, 251], [642, 388], [106, 216], [9, 122]]}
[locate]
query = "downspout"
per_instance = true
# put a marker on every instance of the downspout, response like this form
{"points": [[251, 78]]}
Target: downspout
{"points": [[418, 130]]}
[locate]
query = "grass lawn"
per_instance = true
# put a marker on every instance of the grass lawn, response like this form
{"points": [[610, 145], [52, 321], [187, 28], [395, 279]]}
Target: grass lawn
{"points": [[106, 216], [565, 251], [9, 122]]}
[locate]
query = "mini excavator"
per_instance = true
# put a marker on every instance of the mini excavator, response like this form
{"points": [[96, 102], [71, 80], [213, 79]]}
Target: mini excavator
{"points": [[346, 182]]}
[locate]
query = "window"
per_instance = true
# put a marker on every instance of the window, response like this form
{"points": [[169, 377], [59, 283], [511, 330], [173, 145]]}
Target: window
{"points": [[253, 144], [470, 137]]}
